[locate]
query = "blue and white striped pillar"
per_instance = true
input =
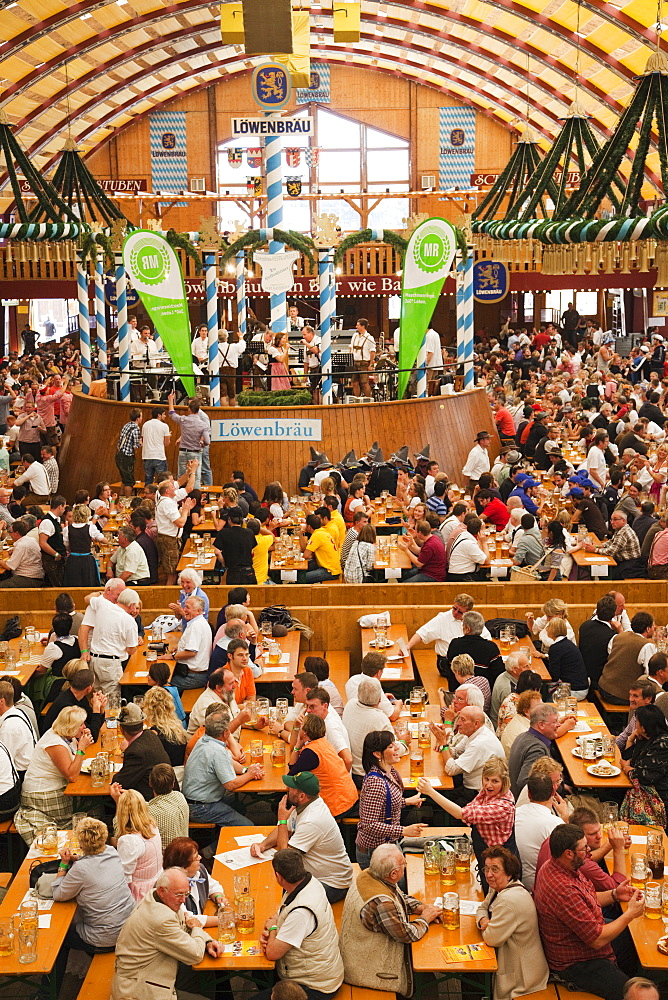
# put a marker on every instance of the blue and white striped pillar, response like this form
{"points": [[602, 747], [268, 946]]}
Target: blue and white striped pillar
{"points": [[273, 165], [84, 324], [210, 285], [242, 325], [465, 319], [327, 313], [123, 327], [100, 315], [421, 365]]}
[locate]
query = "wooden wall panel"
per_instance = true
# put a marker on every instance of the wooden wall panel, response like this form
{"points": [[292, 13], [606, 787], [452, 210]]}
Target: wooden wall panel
{"points": [[449, 424]]}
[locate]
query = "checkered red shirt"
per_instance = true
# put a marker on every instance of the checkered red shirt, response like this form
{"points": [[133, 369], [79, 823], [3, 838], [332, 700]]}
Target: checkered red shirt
{"points": [[494, 817], [569, 916]]}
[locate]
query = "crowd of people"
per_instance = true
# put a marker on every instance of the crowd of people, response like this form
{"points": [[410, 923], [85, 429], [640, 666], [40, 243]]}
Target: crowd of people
{"points": [[142, 883]]}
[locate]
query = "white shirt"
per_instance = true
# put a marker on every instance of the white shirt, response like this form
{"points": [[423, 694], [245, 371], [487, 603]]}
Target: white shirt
{"points": [[476, 463], [360, 720], [17, 734], [166, 513], [596, 463], [35, 476], [335, 731], [6, 773], [53, 652], [446, 529], [198, 711], [429, 486], [444, 628], [352, 685], [229, 354], [114, 630], [362, 345], [315, 833], [200, 348], [42, 774], [335, 699], [153, 434], [197, 636], [132, 560], [433, 347], [141, 352], [465, 554], [25, 558], [478, 748], [533, 823]]}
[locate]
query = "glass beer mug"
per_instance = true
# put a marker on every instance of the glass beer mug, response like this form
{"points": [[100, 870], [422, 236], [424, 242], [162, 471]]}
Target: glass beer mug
{"points": [[47, 840], [451, 911]]}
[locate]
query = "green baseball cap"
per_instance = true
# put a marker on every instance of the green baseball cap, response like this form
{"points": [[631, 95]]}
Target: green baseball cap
{"points": [[304, 781]]}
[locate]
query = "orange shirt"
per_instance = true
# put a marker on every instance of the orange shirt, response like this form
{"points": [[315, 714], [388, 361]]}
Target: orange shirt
{"points": [[337, 788], [245, 686]]}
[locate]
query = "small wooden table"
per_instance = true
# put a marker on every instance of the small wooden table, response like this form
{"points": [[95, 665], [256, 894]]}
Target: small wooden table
{"points": [[399, 560], [426, 952], [272, 782], [394, 633], [206, 525], [24, 669], [267, 895], [433, 760], [591, 560], [576, 767], [136, 671], [281, 673], [537, 664], [288, 572], [49, 939], [188, 562]]}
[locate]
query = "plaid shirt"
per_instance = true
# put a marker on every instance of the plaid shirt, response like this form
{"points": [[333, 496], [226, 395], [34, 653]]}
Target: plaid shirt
{"points": [[494, 817], [385, 917], [52, 474], [623, 545], [128, 439], [483, 684], [625, 733], [569, 916], [372, 829]]}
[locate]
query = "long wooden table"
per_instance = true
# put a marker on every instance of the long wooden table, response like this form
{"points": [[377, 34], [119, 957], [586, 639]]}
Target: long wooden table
{"points": [[281, 673], [24, 669], [394, 633], [537, 663], [588, 560], [185, 562], [644, 930], [576, 767], [426, 952], [49, 939], [136, 671], [433, 760], [267, 895]]}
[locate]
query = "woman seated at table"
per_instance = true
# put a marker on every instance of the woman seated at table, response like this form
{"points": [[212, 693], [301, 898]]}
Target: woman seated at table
{"points": [[645, 759], [137, 840], [195, 516], [463, 667], [554, 608], [162, 719], [415, 514], [56, 761], [528, 680], [313, 752], [190, 583], [183, 852], [565, 662], [555, 549], [97, 882], [491, 814], [361, 556], [158, 676], [508, 921], [382, 798], [519, 723]]}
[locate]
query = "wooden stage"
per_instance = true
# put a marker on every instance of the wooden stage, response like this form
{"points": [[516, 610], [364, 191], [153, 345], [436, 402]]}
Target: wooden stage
{"points": [[448, 424]]}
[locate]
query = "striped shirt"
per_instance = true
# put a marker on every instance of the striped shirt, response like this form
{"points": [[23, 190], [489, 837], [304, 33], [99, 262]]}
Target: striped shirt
{"points": [[128, 439]]}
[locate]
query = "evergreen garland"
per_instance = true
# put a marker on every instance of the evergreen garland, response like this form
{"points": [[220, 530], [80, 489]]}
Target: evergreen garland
{"points": [[80, 191], [49, 201], [181, 242], [282, 397], [396, 241], [256, 238], [89, 244]]}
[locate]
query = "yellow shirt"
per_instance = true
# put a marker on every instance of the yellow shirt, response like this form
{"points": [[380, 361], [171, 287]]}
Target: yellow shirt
{"points": [[322, 545], [332, 529], [337, 519], [261, 556]]}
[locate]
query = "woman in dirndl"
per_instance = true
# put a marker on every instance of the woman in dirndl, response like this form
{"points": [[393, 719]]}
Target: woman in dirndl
{"points": [[278, 352], [81, 566]]}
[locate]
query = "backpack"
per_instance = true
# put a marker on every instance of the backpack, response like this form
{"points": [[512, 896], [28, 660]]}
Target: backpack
{"points": [[494, 626], [278, 615], [12, 629]]}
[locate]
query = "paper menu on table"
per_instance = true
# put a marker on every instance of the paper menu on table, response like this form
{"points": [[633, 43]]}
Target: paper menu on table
{"points": [[273, 670], [44, 921], [391, 674], [251, 838], [581, 727], [242, 858], [637, 839], [467, 907]]}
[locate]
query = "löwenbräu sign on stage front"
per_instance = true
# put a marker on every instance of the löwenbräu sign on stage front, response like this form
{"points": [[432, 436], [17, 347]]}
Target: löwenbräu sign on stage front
{"points": [[266, 430]]}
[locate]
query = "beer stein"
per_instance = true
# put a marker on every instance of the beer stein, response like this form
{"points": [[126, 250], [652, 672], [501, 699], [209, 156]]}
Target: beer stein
{"points": [[6, 936], [99, 770], [653, 900], [27, 939], [463, 855], [47, 840], [639, 871], [241, 885], [278, 753], [432, 857], [256, 752], [227, 932], [245, 915], [451, 911], [447, 863], [416, 763]]}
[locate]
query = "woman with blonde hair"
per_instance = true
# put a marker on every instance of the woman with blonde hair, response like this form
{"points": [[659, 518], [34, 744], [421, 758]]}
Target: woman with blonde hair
{"points": [[491, 814], [554, 608], [137, 840], [161, 717], [519, 722], [56, 761], [463, 667], [81, 566], [278, 367], [361, 557]]}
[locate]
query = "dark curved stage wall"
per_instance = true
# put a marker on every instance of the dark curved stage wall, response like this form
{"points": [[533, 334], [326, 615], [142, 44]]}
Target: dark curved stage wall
{"points": [[449, 424]]}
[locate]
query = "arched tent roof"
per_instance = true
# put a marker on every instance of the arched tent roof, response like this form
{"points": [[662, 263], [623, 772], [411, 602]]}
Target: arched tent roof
{"points": [[104, 64]]}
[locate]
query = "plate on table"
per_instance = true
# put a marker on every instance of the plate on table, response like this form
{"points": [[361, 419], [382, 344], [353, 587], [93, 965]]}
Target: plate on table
{"points": [[384, 645], [577, 752], [603, 769], [85, 767]]}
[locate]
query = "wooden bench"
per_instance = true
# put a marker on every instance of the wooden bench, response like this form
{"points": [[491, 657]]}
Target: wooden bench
{"points": [[98, 978], [614, 716], [189, 697], [565, 994], [5, 879], [549, 993], [339, 669], [431, 680], [309, 652]]}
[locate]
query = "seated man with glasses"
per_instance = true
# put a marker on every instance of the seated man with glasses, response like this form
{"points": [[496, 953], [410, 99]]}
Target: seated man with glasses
{"points": [[579, 945]]}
